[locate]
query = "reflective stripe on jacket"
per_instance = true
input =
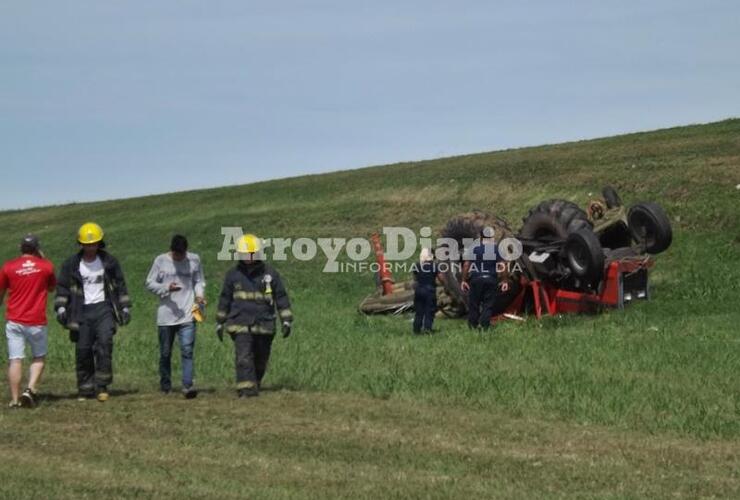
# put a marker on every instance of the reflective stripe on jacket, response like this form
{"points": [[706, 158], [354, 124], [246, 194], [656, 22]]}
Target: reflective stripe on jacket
{"points": [[71, 294], [250, 296]]}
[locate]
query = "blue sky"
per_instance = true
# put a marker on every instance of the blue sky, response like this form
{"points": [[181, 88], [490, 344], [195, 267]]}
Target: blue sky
{"points": [[114, 99]]}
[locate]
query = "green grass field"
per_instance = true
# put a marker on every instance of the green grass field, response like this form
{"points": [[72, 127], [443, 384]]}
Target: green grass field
{"points": [[637, 403]]}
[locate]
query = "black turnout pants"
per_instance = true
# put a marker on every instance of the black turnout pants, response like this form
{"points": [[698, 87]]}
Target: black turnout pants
{"points": [[425, 305], [481, 300], [94, 349], [252, 356]]}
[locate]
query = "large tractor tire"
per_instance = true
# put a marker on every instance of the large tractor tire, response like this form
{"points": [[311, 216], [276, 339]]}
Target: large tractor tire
{"points": [[569, 215], [543, 227], [584, 256], [581, 258], [611, 197], [470, 225], [650, 227]]}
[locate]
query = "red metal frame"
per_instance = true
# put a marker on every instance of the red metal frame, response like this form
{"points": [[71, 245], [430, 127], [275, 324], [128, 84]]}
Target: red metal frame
{"points": [[550, 300]]}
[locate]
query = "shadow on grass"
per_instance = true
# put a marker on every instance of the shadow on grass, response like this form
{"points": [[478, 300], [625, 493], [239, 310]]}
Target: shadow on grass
{"points": [[51, 398], [281, 387]]}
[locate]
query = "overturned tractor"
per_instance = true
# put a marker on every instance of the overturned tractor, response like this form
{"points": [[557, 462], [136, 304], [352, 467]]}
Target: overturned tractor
{"points": [[572, 260]]}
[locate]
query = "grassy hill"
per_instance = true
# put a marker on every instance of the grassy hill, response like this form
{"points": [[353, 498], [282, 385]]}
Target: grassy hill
{"points": [[641, 402]]}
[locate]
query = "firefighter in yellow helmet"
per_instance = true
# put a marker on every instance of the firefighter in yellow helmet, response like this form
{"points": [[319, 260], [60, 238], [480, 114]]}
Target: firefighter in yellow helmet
{"points": [[252, 294], [91, 301]]}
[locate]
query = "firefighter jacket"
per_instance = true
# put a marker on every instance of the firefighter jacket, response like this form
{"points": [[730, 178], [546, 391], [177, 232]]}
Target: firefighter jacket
{"points": [[249, 298], [70, 291]]}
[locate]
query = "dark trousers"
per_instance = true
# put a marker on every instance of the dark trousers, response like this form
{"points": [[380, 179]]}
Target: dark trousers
{"points": [[425, 305], [481, 301], [252, 356], [94, 348], [167, 334]]}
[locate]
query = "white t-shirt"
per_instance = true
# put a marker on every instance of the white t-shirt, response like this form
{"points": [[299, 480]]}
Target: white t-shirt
{"points": [[92, 280]]}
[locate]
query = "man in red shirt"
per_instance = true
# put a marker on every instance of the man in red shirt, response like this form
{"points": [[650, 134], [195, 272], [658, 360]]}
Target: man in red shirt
{"points": [[29, 278]]}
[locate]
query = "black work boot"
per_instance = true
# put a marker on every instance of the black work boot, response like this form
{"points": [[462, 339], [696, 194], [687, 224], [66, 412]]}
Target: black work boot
{"points": [[84, 394], [103, 395], [189, 392], [28, 398]]}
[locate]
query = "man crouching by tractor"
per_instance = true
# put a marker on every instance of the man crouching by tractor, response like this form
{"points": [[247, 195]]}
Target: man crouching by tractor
{"points": [[91, 300], [251, 293]]}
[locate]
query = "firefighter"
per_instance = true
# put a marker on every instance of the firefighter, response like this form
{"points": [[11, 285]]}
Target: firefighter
{"points": [[480, 280], [91, 301], [251, 294]]}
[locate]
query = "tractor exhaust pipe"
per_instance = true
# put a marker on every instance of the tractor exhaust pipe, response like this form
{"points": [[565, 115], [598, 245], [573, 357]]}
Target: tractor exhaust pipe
{"points": [[384, 273]]}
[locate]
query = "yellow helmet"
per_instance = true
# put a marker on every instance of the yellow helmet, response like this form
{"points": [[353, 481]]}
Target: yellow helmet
{"points": [[90, 233], [248, 243]]}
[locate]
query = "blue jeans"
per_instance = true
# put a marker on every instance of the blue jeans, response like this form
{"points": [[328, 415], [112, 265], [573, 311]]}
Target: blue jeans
{"points": [[186, 334], [425, 305]]}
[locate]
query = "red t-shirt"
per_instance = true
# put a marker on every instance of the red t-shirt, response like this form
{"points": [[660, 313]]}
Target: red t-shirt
{"points": [[29, 279]]}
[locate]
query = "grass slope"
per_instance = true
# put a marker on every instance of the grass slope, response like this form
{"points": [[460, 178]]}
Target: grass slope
{"points": [[659, 372], [318, 445]]}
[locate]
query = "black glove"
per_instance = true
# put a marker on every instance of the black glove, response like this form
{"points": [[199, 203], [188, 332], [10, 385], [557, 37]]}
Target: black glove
{"points": [[286, 329], [62, 316], [220, 331], [125, 316]]}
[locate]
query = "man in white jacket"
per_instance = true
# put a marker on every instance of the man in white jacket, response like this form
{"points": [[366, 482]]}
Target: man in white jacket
{"points": [[176, 277]]}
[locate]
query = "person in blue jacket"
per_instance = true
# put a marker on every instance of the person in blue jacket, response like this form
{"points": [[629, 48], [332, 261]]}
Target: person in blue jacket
{"points": [[425, 295], [480, 280]]}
